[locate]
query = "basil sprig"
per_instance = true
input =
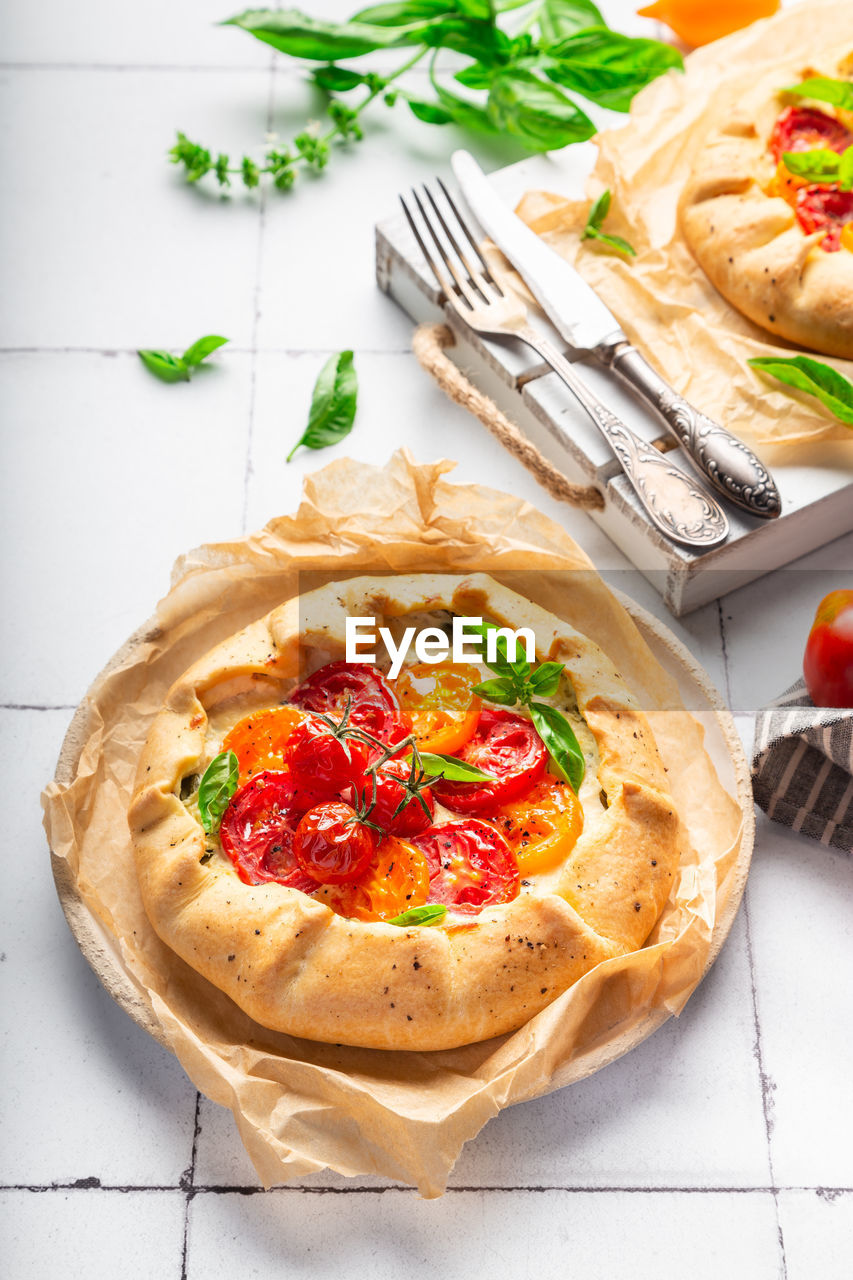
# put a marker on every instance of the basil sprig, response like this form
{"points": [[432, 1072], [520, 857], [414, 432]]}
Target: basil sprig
{"points": [[333, 404], [822, 166], [432, 913], [592, 230], [216, 788], [449, 768], [514, 77], [518, 683], [824, 89], [171, 368], [815, 378]]}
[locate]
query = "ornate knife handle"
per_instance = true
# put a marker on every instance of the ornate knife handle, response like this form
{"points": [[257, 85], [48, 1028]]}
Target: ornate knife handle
{"points": [[682, 509], [730, 466]]}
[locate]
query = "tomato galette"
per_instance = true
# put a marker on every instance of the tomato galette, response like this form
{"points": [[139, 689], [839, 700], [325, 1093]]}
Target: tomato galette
{"points": [[415, 862], [768, 210]]}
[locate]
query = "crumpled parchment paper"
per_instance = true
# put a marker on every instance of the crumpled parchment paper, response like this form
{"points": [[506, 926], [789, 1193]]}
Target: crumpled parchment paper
{"points": [[302, 1106], [662, 298]]}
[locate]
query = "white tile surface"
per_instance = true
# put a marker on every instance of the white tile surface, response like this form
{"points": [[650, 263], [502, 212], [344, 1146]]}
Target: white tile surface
{"points": [[93, 1234], [818, 1232], [547, 1236], [86, 1093]]}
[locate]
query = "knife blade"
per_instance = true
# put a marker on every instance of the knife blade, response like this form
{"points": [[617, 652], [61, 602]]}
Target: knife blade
{"points": [[580, 316]]}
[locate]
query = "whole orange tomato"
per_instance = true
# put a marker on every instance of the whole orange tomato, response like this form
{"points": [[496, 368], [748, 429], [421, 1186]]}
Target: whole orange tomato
{"points": [[828, 660]]}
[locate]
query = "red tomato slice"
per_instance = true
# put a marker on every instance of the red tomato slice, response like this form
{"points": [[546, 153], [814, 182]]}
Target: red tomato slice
{"points": [[258, 827], [258, 740], [806, 129], [505, 745], [332, 845], [471, 866], [825, 208], [374, 707]]}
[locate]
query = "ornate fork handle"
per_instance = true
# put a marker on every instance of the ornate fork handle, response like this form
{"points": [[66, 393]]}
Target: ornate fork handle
{"points": [[730, 466], [680, 507]]}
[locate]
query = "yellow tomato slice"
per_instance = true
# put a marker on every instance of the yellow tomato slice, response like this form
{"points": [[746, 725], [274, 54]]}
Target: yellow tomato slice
{"points": [[439, 699], [542, 827], [847, 236], [258, 739], [785, 184], [397, 880]]}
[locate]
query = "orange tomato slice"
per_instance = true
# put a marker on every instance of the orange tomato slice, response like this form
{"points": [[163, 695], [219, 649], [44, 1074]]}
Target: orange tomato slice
{"points": [[847, 236], [785, 184], [397, 880], [439, 699], [258, 739], [542, 827]]}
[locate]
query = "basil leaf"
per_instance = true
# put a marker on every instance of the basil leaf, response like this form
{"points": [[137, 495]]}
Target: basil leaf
{"points": [[201, 349], [165, 366], [216, 788], [429, 112], [301, 36], [505, 664], [485, 9], [467, 114], [815, 378], [337, 79], [476, 75], [546, 678], [501, 690], [407, 11], [561, 18], [538, 113], [823, 89], [845, 170], [432, 913], [451, 769], [333, 404], [559, 737], [592, 230], [820, 165], [607, 67]]}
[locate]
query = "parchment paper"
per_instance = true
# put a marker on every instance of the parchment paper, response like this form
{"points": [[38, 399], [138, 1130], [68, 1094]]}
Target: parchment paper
{"points": [[662, 298], [301, 1106]]}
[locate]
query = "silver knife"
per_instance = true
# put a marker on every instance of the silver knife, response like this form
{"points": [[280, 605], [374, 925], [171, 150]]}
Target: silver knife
{"points": [[580, 316]]}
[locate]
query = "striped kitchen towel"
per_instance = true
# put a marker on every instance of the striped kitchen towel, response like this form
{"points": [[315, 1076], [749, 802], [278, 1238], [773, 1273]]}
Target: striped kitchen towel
{"points": [[802, 767]]}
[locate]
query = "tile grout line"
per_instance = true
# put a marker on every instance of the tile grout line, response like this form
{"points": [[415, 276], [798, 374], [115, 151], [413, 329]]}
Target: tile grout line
{"points": [[722, 625], [187, 1183], [766, 1084], [94, 1184], [37, 706]]}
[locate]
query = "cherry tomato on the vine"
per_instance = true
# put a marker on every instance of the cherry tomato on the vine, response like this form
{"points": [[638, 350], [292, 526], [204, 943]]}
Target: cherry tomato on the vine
{"points": [[258, 827], [542, 827], [373, 705], [471, 866], [504, 745], [828, 660], [318, 758], [332, 845], [390, 793], [259, 739], [440, 700], [396, 881]]}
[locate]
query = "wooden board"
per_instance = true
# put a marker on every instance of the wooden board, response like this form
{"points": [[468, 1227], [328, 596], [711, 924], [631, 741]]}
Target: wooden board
{"points": [[817, 496]]}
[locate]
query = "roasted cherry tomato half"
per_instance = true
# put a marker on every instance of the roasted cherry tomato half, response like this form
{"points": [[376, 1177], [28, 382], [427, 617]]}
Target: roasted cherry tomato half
{"points": [[471, 866], [332, 845], [396, 881], [258, 740], [542, 828], [384, 800], [441, 703], [806, 129], [258, 827], [373, 705], [321, 760], [828, 661], [504, 745], [825, 209]]}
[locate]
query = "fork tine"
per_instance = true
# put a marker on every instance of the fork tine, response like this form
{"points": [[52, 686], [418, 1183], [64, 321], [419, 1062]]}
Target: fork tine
{"points": [[462, 284], [445, 283], [476, 277], [487, 272]]}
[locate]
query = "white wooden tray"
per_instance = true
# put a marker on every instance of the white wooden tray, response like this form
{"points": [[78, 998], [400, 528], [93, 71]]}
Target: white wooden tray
{"points": [[817, 494]]}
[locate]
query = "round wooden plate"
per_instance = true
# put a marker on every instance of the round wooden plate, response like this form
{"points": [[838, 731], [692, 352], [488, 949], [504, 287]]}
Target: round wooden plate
{"points": [[722, 743]]}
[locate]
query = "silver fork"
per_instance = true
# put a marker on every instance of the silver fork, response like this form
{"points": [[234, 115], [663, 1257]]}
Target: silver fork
{"points": [[677, 504]]}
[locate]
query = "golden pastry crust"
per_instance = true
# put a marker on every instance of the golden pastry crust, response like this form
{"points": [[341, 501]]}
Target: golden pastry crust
{"points": [[749, 243], [291, 963]]}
